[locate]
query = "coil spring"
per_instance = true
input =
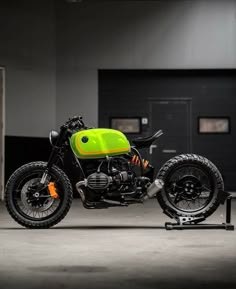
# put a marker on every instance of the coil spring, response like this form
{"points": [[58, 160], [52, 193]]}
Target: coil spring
{"points": [[135, 160]]}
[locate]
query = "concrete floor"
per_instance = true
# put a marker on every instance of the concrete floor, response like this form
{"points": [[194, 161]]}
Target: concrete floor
{"points": [[116, 248]]}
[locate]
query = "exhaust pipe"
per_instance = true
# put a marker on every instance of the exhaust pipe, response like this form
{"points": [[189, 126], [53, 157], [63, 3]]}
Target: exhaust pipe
{"points": [[153, 189], [79, 190]]}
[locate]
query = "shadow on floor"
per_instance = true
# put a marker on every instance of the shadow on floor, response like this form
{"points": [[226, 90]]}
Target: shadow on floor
{"points": [[70, 269]]}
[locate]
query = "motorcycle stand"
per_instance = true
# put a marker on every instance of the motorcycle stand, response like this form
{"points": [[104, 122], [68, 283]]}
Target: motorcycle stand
{"points": [[189, 222]]}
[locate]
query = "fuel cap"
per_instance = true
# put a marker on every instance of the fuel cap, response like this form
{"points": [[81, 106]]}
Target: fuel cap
{"points": [[84, 139]]}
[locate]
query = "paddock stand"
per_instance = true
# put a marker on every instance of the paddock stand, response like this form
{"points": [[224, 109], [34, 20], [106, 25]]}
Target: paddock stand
{"points": [[190, 222]]}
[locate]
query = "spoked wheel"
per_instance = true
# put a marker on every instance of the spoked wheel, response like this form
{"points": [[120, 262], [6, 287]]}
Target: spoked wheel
{"points": [[34, 205], [192, 187]]}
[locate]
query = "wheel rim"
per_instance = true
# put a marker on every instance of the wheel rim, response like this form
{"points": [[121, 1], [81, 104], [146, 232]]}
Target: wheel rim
{"points": [[190, 188], [41, 206]]}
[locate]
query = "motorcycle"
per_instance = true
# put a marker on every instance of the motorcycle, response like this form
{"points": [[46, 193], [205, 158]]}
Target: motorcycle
{"points": [[111, 173]]}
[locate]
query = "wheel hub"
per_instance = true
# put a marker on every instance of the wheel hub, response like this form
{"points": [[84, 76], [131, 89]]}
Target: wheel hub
{"points": [[188, 188], [35, 200]]}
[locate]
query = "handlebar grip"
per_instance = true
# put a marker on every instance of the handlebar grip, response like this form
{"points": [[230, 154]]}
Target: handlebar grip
{"points": [[75, 117]]}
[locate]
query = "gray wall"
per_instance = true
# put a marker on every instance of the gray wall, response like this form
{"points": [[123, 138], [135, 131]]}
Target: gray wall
{"points": [[45, 85], [138, 35], [27, 50]]}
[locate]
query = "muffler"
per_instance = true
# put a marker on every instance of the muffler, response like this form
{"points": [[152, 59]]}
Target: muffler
{"points": [[154, 188]]}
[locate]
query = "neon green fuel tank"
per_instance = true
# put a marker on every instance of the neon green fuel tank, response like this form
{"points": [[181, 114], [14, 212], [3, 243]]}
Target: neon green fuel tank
{"points": [[99, 143]]}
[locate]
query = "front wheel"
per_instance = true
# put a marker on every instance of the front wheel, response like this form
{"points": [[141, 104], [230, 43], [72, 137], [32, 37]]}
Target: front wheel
{"points": [[32, 205], [192, 186]]}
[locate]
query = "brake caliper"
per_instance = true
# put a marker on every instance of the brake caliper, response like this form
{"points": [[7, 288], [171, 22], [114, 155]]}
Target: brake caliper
{"points": [[52, 190]]}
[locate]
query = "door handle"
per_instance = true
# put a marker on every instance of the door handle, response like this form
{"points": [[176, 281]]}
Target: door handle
{"points": [[169, 151], [151, 148]]}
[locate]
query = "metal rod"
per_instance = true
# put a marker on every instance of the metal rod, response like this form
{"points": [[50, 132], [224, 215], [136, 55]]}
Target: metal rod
{"points": [[170, 226], [228, 209]]}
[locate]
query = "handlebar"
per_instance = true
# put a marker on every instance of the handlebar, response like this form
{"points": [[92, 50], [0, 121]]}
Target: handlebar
{"points": [[76, 122]]}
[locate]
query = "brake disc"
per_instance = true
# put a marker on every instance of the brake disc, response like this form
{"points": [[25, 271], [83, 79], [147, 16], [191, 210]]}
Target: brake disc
{"points": [[27, 202]]}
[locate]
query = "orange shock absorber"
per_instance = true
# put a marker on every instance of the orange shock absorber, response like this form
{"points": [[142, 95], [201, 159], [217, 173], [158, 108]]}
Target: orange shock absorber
{"points": [[52, 190], [145, 164], [135, 160]]}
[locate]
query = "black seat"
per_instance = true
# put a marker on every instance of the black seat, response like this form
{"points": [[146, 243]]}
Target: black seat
{"points": [[143, 142]]}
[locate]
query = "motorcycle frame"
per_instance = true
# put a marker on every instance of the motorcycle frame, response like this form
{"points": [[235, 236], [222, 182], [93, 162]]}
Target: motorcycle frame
{"points": [[61, 144]]}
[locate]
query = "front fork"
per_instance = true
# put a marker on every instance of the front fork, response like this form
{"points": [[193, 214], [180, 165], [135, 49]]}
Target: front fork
{"points": [[45, 179], [53, 158]]}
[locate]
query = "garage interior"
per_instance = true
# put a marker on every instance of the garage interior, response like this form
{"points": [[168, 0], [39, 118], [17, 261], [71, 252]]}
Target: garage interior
{"points": [[168, 64]]}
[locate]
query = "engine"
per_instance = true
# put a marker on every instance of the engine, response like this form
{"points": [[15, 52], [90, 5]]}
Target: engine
{"points": [[111, 179], [114, 182], [98, 181]]}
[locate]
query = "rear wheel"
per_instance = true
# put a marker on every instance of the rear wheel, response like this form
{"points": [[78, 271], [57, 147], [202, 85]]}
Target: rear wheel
{"points": [[33, 206], [192, 186]]}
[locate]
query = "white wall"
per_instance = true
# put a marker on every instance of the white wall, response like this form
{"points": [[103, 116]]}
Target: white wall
{"points": [[27, 51], [138, 35]]}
